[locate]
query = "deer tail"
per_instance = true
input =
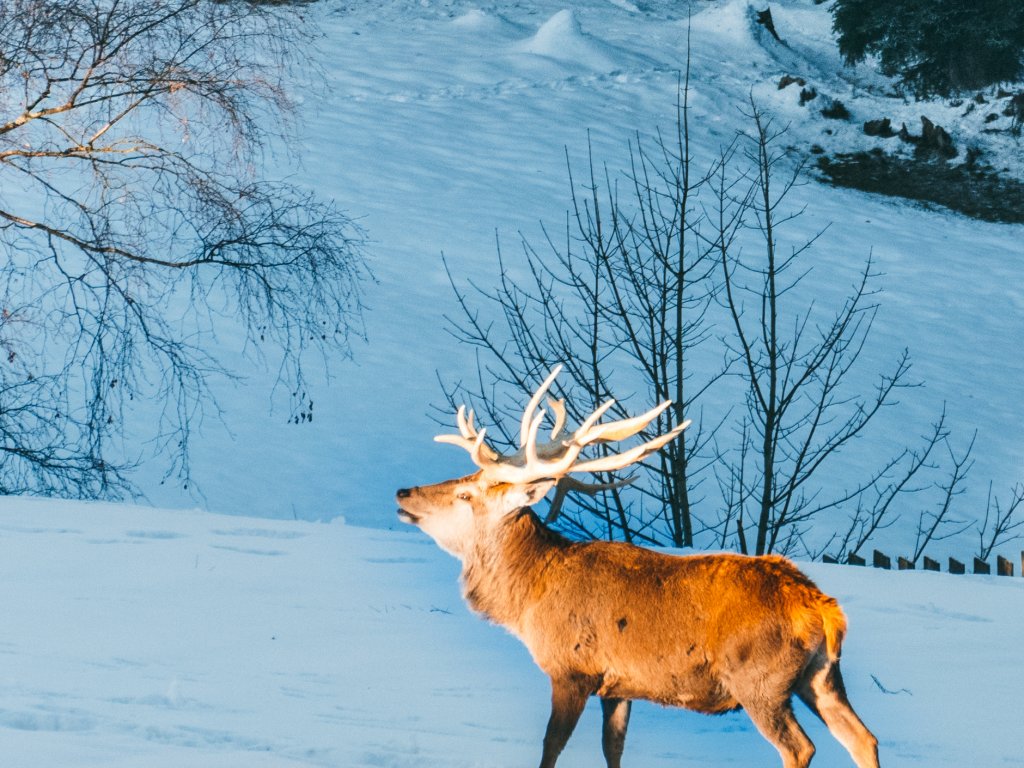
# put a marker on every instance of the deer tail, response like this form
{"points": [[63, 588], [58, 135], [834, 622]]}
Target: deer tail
{"points": [[834, 625]]}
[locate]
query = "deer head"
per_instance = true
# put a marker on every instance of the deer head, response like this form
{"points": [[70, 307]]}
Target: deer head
{"points": [[455, 511]]}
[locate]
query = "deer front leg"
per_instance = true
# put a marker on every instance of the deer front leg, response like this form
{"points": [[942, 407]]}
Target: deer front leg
{"points": [[568, 697], [613, 740]]}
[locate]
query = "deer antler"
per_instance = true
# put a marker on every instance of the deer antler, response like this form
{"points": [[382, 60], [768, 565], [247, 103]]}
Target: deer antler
{"points": [[468, 437], [558, 457], [568, 483]]}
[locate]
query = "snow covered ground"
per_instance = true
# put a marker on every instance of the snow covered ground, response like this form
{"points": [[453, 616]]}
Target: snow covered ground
{"points": [[135, 637], [143, 638]]}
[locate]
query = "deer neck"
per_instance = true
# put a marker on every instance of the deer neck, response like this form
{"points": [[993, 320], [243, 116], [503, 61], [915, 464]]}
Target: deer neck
{"points": [[507, 565]]}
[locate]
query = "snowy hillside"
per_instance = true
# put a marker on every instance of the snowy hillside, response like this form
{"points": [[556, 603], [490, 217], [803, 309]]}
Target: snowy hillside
{"points": [[443, 124], [140, 638]]}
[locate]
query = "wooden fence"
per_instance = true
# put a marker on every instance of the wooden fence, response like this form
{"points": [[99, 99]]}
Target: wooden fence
{"points": [[1004, 567]]}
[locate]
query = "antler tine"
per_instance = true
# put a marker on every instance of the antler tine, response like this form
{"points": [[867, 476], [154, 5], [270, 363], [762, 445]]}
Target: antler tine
{"points": [[614, 431], [463, 442], [633, 455], [531, 407], [481, 454], [469, 439], [568, 483], [557, 408], [529, 451], [581, 435], [465, 423]]}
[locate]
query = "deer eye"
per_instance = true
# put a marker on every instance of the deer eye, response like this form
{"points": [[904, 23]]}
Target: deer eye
{"points": [[464, 496]]}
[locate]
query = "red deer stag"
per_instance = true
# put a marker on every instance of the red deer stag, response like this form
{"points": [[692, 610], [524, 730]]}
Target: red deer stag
{"points": [[707, 632]]}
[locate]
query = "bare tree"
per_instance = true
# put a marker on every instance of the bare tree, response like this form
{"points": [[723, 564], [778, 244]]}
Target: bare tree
{"points": [[626, 293], [133, 220], [875, 501], [795, 364], [938, 524], [1000, 525], [634, 290]]}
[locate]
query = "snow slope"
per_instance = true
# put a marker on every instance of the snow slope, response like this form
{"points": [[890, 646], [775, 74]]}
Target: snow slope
{"points": [[444, 123], [135, 637]]}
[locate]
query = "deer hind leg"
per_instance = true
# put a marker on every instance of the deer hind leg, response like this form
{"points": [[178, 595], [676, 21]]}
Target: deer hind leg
{"points": [[778, 724], [613, 739], [568, 698], [822, 689]]}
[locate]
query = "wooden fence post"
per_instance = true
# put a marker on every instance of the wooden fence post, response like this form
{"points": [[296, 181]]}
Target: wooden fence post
{"points": [[879, 559]]}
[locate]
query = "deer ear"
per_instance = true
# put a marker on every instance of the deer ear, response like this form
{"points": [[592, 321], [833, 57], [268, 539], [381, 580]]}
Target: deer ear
{"points": [[518, 495], [538, 489]]}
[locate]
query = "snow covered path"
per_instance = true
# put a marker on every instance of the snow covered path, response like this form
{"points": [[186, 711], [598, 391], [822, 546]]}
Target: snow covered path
{"points": [[141, 638]]}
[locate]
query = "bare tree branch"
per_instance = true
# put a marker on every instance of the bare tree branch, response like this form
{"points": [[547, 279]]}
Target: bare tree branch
{"points": [[132, 217], [936, 525], [627, 294], [798, 415], [1001, 525]]}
